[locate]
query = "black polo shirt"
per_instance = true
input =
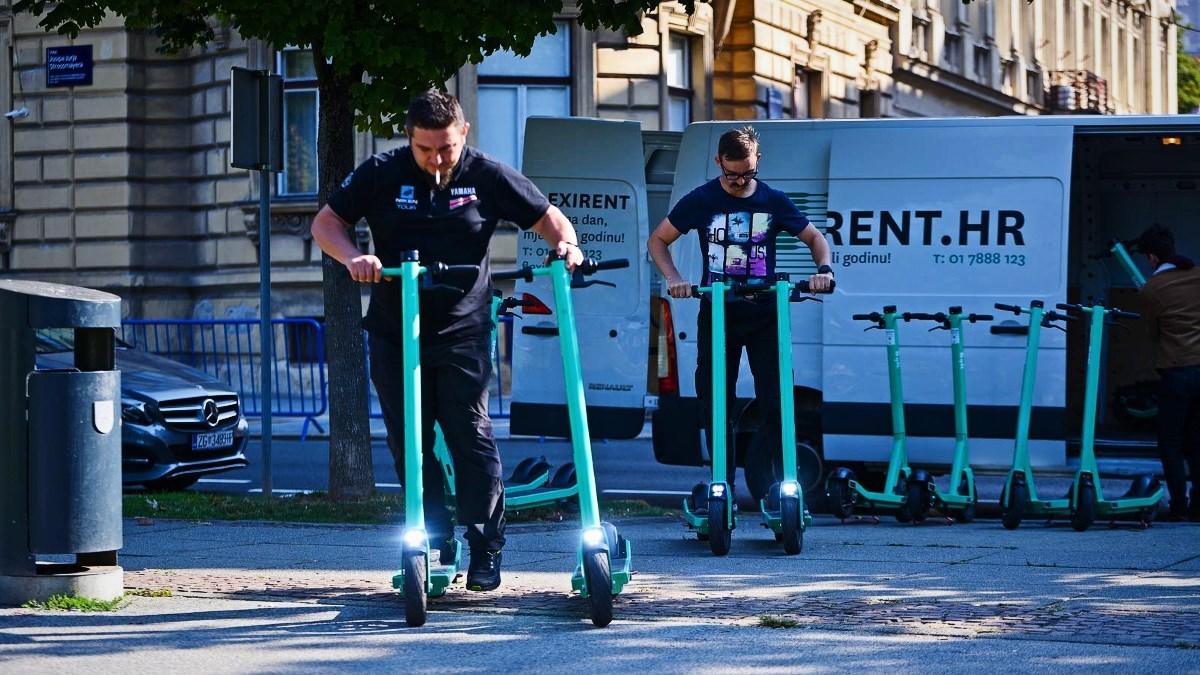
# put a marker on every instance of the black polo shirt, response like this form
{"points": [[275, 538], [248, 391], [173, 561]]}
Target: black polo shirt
{"points": [[453, 226]]}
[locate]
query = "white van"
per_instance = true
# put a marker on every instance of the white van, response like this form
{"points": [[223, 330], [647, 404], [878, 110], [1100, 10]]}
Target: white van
{"points": [[924, 214]]}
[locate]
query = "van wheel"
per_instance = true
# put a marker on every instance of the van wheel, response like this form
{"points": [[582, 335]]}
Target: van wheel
{"points": [[764, 468]]}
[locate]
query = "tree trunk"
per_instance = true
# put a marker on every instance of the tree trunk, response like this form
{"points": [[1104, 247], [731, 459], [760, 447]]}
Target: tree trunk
{"points": [[351, 473]]}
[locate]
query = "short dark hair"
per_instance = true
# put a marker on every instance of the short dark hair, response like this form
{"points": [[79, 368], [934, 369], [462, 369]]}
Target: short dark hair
{"points": [[738, 144], [433, 110], [1158, 241]]}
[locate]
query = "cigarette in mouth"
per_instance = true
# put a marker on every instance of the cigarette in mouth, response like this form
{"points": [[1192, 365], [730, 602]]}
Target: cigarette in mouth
{"points": [[437, 176]]}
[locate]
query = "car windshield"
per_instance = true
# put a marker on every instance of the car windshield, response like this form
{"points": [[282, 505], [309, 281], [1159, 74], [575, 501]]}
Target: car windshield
{"points": [[53, 340]]}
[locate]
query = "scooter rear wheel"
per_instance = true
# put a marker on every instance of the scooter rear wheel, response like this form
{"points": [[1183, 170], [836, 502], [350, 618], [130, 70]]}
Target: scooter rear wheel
{"points": [[598, 576], [841, 500], [1085, 510], [720, 537], [1012, 506], [416, 599], [904, 513], [791, 534], [918, 501]]}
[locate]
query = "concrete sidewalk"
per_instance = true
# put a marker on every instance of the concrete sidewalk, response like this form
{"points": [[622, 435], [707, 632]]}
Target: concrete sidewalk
{"points": [[254, 597]]}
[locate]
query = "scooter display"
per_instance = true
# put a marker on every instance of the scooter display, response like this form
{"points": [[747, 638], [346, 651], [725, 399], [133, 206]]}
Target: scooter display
{"points": [[906, 492], [1144, 494], [605, 557], [958, 500], [1019, 496], [417, 579]]}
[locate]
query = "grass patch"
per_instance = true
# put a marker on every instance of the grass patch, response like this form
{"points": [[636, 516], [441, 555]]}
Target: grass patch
{"points": [[151, 592], [76, 603], [769, 621], [317, 507]]}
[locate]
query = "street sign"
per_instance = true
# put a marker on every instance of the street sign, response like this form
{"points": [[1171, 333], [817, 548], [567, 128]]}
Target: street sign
{"points": [[256, 117]]}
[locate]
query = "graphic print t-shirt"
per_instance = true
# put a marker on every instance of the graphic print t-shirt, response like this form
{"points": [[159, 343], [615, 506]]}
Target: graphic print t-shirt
{"points": [[737, 234]]}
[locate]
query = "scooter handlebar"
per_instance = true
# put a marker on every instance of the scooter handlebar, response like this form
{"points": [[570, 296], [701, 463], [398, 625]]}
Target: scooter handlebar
{"points": [[1008, 308], [525, 273], [1126, 315], [873, 316], [980, 317], [923, 316], [802, 286], [590, 266]]}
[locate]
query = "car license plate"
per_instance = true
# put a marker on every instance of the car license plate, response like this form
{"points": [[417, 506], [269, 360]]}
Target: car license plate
{"points": [[213, 440]]}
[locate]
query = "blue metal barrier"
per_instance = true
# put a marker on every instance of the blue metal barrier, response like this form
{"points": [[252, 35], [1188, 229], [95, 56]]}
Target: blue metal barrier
{"points": [[228, 350]]}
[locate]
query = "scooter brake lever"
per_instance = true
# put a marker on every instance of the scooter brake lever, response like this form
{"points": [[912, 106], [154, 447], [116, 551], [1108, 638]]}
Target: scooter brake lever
{"points": [[591, 282], [872, 328]]}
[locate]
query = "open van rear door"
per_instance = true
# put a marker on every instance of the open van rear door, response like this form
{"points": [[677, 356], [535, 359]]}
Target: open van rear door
{"points": [[593, 170], [929, 217]]}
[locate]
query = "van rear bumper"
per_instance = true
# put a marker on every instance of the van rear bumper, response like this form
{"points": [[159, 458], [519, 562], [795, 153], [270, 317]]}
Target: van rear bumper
{"points": [[543, 419]]}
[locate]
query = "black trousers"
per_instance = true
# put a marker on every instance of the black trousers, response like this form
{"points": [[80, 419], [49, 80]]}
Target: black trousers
{"points": [[1179, 434], [454, 382], [755, 330]]}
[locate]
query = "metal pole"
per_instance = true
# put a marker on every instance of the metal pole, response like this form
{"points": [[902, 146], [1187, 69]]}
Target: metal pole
{"points": [[268, 359]]}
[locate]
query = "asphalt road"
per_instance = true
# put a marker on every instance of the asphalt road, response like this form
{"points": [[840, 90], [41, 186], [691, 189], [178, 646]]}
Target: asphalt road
{"points": [[624, 469]]}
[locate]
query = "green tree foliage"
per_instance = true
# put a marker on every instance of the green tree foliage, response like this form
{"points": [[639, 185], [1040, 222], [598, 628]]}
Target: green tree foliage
{"points": [[371, 58], [1187, 74]]}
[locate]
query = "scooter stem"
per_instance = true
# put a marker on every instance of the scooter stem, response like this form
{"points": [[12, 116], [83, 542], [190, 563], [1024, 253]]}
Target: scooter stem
{"points": [[414, 508], [787, 395], [959, 371], [899, 455], [1028, 380], [721, 404]]}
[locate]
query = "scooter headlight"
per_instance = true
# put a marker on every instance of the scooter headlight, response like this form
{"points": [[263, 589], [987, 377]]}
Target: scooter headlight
{"points": [[415, 539], [593, 537], [789, 489], [718, 490]]}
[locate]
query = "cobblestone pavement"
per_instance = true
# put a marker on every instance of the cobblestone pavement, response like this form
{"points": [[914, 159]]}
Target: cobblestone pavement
{"points": [[1118, 586]]}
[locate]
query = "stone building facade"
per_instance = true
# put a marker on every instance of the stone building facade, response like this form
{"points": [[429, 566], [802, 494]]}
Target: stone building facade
{"points": [[124, 184]]}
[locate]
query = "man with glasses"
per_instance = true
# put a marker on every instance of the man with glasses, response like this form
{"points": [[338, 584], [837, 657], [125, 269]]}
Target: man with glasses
{"points": [[737, 218]]}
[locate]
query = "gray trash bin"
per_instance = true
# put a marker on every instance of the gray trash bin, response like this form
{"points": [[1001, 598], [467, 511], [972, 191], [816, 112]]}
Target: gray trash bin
{"points": [[60, 445]]}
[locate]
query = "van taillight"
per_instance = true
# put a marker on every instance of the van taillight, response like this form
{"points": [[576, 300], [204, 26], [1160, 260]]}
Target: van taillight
{"points": [[532, 305], [668, 366]]}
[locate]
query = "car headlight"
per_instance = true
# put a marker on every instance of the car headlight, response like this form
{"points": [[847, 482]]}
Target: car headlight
{"points": [[135, 413]]}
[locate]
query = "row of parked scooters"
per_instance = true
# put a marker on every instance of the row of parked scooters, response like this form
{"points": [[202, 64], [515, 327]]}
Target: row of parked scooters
{"points": [[604, 559]]}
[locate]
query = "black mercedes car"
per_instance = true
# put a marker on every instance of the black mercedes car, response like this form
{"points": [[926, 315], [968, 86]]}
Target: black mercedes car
{"points": [[177, 423]]}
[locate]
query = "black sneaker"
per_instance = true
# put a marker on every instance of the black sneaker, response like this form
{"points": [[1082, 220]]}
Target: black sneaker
{"points": [[484, 572], [443, 554]]}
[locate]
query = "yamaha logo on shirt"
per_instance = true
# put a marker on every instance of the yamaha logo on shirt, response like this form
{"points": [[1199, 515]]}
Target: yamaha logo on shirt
{"points": [[407, 201]]}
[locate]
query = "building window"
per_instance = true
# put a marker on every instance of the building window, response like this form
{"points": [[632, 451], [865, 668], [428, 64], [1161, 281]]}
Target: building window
{"points": [[868, 103], [807, 102], [920, 37], [679, 83], [952, 51], [983, 64], [512, 88], [300, 119], [1033, 86]]}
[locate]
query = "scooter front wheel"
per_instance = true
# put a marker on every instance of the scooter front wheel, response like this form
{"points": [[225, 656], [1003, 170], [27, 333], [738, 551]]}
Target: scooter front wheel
{"points": [[904, 514], [416, 599], [720, 537], [918, 501], [1085, 510], [1012, 506], [967, 513], [789, 525], [598, 576]]}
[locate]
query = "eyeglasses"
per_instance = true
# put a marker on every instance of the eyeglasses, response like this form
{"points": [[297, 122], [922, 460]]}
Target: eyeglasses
{"points": [[745, 176]]}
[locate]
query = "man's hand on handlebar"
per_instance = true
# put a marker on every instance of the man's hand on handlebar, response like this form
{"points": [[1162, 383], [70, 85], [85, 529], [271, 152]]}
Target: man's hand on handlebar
{"points": [[679, 288], [570, 253], [820, 283], [365, 269]]}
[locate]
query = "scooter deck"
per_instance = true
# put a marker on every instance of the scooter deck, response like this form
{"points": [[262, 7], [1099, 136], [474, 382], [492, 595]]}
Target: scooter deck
{"points": [[541, 496], [698, 519], [538, 481], [1124, 507], [1048, 507], [773, 520], [620, 567], [440, 575], [877, 500]]}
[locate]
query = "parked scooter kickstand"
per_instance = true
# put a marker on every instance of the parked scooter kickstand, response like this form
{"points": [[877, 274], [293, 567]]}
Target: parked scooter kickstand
{"points": [[1019, 496], [907, 492], [605, 557], [417, 579], [1145, 493], [958, 501], [709, 510], [783, 508]]}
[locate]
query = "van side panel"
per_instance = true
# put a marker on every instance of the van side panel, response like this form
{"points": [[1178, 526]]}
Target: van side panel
{"points": [[593, 171], [928, 230]]}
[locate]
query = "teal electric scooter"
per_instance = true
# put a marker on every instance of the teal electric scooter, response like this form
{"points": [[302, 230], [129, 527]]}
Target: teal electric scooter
{"points": [[783, 508], [605, 558], [417, 579], [906, 492], [958, 501], [1144, 494], [1117, 248], [1019, 497], [709, 510]]}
